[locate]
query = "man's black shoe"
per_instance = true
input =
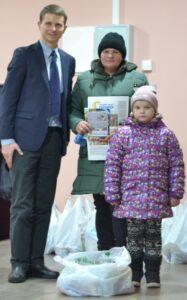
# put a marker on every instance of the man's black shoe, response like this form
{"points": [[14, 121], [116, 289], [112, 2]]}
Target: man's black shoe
{"points": [[18, 274], [40, 271]]}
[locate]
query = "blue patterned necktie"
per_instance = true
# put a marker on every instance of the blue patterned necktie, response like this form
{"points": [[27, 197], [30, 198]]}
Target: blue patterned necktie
{"points": [[54, 85]]}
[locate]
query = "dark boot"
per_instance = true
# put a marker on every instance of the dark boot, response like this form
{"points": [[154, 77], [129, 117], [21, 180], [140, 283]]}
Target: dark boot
{"points": [[152, 274], [40, 271], [137, 271], [18, 274]]}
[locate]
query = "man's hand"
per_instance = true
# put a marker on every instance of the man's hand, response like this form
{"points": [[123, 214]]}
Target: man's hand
{"points": [[8, 151]]}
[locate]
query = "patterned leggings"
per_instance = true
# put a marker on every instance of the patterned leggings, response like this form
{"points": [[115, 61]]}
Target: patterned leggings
{"points": [[144, 238]]}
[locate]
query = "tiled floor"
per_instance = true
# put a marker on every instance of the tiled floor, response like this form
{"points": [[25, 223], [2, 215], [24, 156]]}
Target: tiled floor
{"points": [[173, 279]]}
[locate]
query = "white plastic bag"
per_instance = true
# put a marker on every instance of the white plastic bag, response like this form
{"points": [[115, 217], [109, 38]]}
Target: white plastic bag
{"points": [[174, 235], [73, 230], [55, 217], [96, 273]]}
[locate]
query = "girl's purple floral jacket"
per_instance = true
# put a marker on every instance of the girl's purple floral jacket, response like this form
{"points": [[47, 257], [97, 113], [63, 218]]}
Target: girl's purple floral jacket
{"points": [[143, 169]]}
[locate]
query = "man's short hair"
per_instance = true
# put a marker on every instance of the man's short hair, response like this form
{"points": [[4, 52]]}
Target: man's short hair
{"points": [[53, 9]]}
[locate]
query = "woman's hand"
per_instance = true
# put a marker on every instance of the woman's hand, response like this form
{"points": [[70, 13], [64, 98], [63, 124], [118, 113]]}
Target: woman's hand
{"points": [[83, 127]]}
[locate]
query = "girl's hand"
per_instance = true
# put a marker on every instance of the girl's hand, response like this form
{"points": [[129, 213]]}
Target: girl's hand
{"points": [[174, 202]]}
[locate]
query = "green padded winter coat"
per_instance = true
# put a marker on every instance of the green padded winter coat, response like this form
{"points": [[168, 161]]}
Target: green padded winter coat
{"points": [[96, 82]]}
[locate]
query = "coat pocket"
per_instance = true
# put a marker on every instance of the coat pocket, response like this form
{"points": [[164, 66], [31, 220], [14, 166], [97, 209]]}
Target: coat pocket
{"points": [[129, 188], [128, 185], [161, 185], [24, 115]]}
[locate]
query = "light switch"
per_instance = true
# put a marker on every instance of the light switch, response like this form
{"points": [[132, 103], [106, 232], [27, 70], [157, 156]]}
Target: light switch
{"points": [[146, 65]]}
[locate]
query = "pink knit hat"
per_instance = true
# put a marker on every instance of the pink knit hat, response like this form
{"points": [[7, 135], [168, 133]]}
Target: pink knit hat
{"points": [[145, 93]]}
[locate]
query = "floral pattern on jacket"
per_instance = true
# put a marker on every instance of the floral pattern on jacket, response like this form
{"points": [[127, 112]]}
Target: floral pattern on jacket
{"points": [[143, 170]]}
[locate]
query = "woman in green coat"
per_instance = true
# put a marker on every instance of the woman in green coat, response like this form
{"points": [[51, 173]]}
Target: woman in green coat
{"points": [[110, 75]]}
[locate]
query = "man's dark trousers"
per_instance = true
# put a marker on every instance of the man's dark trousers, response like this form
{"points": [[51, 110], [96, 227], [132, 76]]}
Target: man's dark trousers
{"points": [[34, 178]]}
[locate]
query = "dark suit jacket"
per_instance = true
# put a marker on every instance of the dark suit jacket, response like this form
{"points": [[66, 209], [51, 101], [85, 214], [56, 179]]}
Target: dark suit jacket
{"points": [[25, 98]]}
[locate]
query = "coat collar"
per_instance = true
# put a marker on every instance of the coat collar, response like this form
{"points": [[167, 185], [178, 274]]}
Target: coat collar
{"points": [[97, 67]]}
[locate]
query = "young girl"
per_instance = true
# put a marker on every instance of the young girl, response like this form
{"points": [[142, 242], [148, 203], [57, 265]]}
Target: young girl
{"points": [[144, 177]]}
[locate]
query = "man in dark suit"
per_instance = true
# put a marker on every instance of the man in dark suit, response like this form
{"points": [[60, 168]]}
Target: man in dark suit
{"points": [[34, 138]]}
